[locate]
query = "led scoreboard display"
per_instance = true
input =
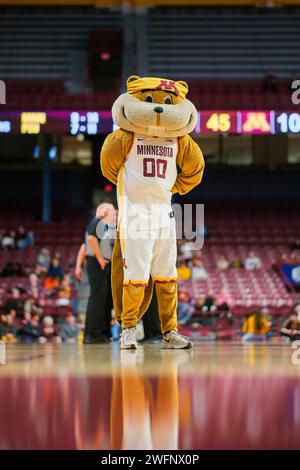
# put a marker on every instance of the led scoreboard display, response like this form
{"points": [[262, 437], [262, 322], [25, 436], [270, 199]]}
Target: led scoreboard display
{"points": [[234, 122], [247, 122], [287, 122], [100, 122], [56, 122], [216, 122]]}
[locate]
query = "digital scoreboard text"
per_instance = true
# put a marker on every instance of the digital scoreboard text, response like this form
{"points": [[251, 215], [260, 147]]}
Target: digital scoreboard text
{"points": [[74, 122]]}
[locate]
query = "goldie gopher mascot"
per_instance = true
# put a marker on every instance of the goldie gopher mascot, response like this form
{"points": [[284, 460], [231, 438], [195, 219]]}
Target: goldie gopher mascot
{"points": [[149, 158]]}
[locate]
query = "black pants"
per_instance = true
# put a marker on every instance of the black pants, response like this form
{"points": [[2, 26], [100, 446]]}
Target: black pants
{"points": [[98, 314], [151, 319], [292, 337]]}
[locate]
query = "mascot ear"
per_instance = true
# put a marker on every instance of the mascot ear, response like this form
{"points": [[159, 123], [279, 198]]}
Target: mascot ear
{"points": [[132, 78], [183, 84]]}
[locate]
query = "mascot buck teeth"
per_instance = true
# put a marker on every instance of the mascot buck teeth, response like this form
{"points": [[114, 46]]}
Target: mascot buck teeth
{"points": [[149, 158]]}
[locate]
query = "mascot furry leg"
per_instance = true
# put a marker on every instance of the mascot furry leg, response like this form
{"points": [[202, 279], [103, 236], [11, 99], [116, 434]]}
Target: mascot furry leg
{"points": [[167, 305]]}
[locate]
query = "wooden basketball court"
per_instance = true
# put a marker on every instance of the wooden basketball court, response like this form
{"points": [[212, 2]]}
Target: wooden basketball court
{"points": [[217, 396]]}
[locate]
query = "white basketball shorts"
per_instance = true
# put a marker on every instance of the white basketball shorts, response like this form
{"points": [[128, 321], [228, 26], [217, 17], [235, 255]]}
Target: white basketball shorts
{"points": [[146, 253]]}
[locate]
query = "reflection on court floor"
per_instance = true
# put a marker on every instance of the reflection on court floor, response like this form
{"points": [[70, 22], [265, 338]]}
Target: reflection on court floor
{"points": [[96, 397]]}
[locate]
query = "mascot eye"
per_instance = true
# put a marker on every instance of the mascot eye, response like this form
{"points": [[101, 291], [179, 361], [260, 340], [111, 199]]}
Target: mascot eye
{"points": [[168, 100], [149, 99]]}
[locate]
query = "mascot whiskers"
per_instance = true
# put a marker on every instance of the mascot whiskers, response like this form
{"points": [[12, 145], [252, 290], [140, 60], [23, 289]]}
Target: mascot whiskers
{"points": [[150, 158]]}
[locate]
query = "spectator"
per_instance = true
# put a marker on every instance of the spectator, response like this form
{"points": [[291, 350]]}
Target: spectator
{"points": [[66, 285], [187, 249], [69, 330], [8, 240], [222, 263], [29, 329], [55, 271], [198, 271], [252, 262], [49, 332], [26, 318], [35, 328], [224, 300], [236, 263], [291, 327], [185, 309], [64, 292], [57, 255], [8, 329], [33, 283], [43, 261], [14, 303], [32, 304], [54, 275], [199, 302], [183, 271], [266, 313], [209, 302], [256, 327], [24, 239]]}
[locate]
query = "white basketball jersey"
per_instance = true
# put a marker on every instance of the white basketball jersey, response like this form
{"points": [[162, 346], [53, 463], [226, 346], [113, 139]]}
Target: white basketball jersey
{"points": [[145, 182]]}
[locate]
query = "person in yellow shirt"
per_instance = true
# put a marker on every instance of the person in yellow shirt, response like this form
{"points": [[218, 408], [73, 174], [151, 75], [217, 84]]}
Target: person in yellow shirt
{"points": [[255, 327], [183, 272]]}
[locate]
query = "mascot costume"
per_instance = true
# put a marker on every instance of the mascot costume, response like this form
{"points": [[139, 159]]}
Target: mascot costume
{"points": [[149, 158]]}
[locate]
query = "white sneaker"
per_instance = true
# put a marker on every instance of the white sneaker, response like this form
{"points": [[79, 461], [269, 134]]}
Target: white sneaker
{"points": [[128, 338], [173, 340]]}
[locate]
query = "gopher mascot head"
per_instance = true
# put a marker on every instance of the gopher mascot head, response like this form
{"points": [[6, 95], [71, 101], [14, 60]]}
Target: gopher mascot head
{"points": [[155, 107]]}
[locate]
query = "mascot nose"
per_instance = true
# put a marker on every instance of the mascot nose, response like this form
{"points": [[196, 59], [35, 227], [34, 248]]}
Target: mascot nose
{"points": [[158, 109]]}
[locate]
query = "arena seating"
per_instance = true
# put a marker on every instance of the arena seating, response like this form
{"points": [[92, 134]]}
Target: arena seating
{"points": [[267, 232], [239, 94], [235, 230], [63, 236], [40, 43], [248, 288], [44, 56], [40, 94], [221, 94], [214, 42], [223, 42]]}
